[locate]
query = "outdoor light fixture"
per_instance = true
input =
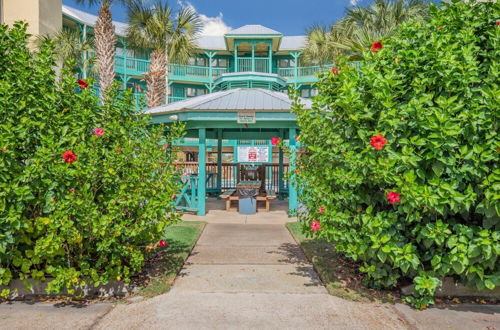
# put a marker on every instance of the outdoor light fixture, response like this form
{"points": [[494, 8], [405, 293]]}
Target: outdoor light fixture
{"points": [[174, 118]]}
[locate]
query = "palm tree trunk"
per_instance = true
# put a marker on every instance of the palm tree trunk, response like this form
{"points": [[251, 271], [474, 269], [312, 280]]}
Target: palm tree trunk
{"points": [[155, 78], [105, 49]]}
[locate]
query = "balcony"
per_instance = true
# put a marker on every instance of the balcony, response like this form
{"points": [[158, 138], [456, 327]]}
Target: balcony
{"points": [[205, 74]]}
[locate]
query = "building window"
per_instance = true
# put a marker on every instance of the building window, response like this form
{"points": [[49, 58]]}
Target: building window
{"points": [[304, 93], [308, 93], [286, 63], [192, 92]]}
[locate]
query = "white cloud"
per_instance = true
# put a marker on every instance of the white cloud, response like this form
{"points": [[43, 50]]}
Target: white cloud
{"points": [[354, 2], [212, 26]]}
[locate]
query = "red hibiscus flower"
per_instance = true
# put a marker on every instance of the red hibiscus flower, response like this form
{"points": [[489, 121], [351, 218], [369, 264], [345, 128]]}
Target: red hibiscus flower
{"points": [[440, 28], [321, 209], [498, 23], [393, 197], [174, 196], [275, 141], [162, 243], [297, 172], [176, 165], [315, 226], [69, 156], [378, 142], [99, 132], [376, 46], [165, 146], [82, 83], [335, 70]]}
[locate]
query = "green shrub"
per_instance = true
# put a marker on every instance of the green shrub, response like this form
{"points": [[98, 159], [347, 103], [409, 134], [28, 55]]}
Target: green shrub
{"points": [[432, 94], [83, 220]]}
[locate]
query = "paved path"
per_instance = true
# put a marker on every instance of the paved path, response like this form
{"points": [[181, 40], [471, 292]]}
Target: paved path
{"points": [[249, 276], [246, 275]]}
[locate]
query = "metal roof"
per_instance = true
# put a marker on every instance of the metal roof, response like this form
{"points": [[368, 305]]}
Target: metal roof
{"points": [[89, 19], [293, 42], [203, 42], [252, 30], [239, 99]]}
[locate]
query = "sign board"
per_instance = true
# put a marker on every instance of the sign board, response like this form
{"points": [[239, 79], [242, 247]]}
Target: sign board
{"points": [[247, 117], [250, 154]]}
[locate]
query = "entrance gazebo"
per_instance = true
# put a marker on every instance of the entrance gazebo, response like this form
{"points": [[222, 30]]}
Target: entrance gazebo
{"points": [[247, 114]]}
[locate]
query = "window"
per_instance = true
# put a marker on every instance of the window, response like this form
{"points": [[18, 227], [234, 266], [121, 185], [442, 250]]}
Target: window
{"points": [[286, 63], [304, 93], [308, 93], [219, 63], [314, 92], [192, 92]]}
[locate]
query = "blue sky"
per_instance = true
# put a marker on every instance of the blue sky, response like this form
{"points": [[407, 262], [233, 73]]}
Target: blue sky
{"points": [[290, 17]]}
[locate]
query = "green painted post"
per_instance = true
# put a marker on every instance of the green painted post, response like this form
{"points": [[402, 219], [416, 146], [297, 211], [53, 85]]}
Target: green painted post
{"points": [[253, 57], [296, 68], [235, 56], [210, 69], [292, 189], [280, 170], [270, 69], [219, 160], [202, 170], [124, 64]]}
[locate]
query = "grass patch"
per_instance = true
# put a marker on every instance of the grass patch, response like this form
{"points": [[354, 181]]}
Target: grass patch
{"points": [[160, 271], [339, 274]]}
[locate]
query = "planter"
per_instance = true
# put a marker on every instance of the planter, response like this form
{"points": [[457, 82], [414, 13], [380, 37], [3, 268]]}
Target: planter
{"points": [[112, 289]]}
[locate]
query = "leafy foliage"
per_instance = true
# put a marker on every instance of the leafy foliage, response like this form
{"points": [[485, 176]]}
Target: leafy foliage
{"points": [[359, 28], [87, 216], [402, 160]]}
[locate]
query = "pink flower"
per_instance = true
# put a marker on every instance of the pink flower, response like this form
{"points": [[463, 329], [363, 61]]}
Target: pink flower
{"points": [[321, 209], [335, 70], [165, 146], [393, 197], [315, 226], [99, 131], [71, 190], [275, 141], [174, 196], [162, 244]]}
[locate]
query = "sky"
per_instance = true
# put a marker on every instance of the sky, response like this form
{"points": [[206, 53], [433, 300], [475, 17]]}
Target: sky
{"points": [[290, 17]]}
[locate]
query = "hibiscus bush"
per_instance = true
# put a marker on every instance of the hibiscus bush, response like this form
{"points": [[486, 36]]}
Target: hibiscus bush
{"points": [[401, 169], [85, 190]]}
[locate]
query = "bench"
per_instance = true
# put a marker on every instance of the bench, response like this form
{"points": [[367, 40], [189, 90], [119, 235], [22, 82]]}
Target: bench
{"points": [[229, 196], [270, 195]]}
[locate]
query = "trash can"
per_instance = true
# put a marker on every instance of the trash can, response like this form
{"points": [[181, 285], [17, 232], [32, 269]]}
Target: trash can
{"points": [[247, 202]]}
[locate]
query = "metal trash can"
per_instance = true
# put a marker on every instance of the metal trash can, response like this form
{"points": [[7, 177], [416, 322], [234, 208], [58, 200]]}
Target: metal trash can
{"points": [[247, 202]]}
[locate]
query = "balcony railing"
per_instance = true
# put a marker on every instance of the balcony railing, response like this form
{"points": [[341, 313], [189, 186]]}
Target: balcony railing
{"points": [[134, 66], [245, 64]]}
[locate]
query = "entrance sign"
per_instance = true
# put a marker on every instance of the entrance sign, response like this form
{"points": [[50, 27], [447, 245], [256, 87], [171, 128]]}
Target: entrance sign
{"points": [[249, 154], [247, 117]]}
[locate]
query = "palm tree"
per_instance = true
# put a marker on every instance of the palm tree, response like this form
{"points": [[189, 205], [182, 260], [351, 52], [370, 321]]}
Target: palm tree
{"points": [[170, 36], [363, 25], [105, 40], [70, 47]]}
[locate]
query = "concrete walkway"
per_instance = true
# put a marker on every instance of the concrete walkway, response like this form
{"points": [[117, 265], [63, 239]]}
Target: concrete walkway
{"points": [[246, 275], [249, 276]]}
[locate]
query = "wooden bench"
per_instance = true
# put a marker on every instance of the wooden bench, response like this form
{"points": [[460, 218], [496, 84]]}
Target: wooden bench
{"points": [[270, 195], [229, 196]]}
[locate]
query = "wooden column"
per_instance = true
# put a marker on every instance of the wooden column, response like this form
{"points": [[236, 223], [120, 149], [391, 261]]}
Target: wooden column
{"points": [[202, 175], [292, 187], [219, 160]]}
